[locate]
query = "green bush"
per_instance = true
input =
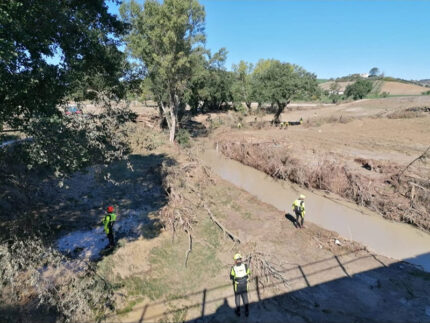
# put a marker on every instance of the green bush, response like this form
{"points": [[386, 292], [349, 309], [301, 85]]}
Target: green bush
{"points": [[183, 138], [359, 89]]}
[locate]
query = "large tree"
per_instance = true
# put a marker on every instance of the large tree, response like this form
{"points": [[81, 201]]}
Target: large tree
{"points": [[81, 35], [51, 52], [210, 87], [279, 83], [374, 71], [165, 37], [242, 87]]}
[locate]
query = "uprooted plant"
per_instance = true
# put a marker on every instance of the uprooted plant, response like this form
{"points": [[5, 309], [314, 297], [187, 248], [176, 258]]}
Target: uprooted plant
{"points": [[31, 270]]}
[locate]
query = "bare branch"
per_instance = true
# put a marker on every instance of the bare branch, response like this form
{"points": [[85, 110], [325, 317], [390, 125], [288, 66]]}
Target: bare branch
{"points": [[214, 219]]}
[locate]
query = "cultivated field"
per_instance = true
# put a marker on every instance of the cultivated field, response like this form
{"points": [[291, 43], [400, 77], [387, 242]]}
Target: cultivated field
{"points": [[392, 88]]}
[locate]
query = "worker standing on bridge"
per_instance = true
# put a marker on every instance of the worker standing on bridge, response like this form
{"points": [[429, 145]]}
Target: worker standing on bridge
{"points": [[299, 209], [239, 274], [108, 222]]}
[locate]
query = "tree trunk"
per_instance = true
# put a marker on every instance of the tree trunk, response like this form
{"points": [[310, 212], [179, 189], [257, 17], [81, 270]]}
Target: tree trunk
{"points": [[281, 107], [172, 124], [164, 113], [173, 116]]}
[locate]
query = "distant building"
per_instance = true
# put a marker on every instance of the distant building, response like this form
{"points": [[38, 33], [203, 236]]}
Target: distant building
{"points": [[364, 75], [338, 92]]}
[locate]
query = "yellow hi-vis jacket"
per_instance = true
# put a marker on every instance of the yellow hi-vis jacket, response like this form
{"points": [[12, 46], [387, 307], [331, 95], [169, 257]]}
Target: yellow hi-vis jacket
{"points": [[299, 207], [108, 222], [239, 275]]}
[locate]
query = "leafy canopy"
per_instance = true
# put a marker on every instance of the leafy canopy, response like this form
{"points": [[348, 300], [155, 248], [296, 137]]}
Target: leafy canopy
{"points": [[83, 37], [165, 37], [279, 83], [81, 34], [359, 89], [210, 87]]}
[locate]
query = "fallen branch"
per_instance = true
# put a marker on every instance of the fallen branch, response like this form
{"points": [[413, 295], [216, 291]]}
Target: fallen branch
{"points": [[265, 269], [419, 186], [190, 247], [214, 219], [420, 157]]}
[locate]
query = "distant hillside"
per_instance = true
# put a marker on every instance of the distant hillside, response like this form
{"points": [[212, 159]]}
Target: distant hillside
{"points": [[342, 85], [391, 87], [425, 82], [397, 88]]}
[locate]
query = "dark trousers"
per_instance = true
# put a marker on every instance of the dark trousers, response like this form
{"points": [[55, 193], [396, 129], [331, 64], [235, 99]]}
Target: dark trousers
{"points": [[111, 238], [242, 291], [299, 219], [244, 296]]}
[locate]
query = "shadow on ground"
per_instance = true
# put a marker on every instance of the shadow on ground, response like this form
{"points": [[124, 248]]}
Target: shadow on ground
{"points": [[133, 187], [291, 218], [394, 293], [19, 314]]}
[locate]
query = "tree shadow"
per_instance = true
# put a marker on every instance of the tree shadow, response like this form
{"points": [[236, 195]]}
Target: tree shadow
{"points": [[74, 212], [195, 129], [133, 187], [19, 314]]}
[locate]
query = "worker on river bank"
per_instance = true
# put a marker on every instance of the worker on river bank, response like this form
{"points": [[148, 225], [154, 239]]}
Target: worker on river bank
{"points": [[239, 274], [108, 222], [299, 210]]}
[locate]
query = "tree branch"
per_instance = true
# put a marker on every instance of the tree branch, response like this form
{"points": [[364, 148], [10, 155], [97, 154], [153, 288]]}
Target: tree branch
{"points": [[422, 156], [214, 219]]}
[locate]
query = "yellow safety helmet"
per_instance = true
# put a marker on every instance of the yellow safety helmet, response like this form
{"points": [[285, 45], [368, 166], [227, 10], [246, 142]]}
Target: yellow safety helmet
{"points": [[237, 256], [302, 197]]}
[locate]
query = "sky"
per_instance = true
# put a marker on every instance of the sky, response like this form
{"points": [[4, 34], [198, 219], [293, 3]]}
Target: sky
{"points": [[329, 38]]}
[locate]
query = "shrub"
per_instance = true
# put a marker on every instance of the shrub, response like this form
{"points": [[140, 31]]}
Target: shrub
{"points": [[183, 138], [359, 89]]}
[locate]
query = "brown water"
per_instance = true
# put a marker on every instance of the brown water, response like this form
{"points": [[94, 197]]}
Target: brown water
{"points": [[391, 239]]}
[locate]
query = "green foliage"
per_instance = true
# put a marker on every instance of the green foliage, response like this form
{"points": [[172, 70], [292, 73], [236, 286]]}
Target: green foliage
{"points": [[79, 141], [359, 89], [165, 38], [349, 78], [151, 140], [211, 85], [183, 138], [374, 72], [242, 87], [279, 83], [426, 93], [83, 36]]}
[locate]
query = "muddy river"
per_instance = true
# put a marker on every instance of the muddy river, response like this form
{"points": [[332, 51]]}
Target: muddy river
{"points": [[391, 239]]}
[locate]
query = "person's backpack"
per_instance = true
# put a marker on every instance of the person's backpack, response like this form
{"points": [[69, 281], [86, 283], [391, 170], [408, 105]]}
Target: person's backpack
{"points": [[298, 208]]}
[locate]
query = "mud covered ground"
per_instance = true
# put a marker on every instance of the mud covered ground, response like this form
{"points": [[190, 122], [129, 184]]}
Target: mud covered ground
{"points": [[298, 275], [356, 150]]}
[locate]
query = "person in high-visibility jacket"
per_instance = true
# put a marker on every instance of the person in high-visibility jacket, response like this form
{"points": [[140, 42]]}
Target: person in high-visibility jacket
{"points": [[108, 222], [299, 210], [239, 274]]}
